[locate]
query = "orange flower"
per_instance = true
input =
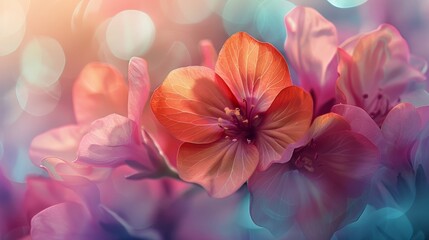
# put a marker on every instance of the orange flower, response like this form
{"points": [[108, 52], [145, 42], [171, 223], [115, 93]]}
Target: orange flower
{"points": [[234, 118]]}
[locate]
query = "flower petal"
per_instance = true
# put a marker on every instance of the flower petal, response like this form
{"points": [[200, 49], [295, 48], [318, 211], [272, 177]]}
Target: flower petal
{"points": [[347, 159], [99, 91], [66, 220], [282, 197], [189, 103], [110, 141], [139, 86], [360, 122], [221, 167], [59, 169], [311, 45], [60, 142], [285, 122], [400, 130], [253, 70]]}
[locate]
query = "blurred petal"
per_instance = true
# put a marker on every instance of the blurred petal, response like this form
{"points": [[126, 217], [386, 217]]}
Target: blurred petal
{"points": [[400, 130], [310, 46], [221, 167], [67, 220], [347, 158], [99, 91], [139, 86], [253, 70], [44, 192], [384, 223], [189, 103], [60, 142], [348, 88], [360, 122], [285, 122], [391, 188], [59, 169], [424, 114], [209, 54], [110, 141], [282, 197]]}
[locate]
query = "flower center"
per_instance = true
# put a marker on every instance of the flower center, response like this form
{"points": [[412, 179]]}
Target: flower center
{"points": [[303, 157], [241, 123], [378, 107]]}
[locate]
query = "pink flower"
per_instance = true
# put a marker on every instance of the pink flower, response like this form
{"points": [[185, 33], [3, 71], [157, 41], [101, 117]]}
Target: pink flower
{"points": [[375, 68], [375, 71], [76, 208], [311, 47], [307, 194], [241, 115], [98, 91], [393, 184], [115, 139]]}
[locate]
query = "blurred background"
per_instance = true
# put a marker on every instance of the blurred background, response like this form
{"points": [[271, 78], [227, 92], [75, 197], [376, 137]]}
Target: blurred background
{"points": [[44, 44]]}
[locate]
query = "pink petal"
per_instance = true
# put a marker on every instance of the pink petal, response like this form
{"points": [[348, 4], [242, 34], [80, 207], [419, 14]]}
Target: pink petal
{"points": [[285, 122], [67, 220], [59, 169], [311, 45], [221, 167], [189, 103], [282, 197], [400, 130], [110, 141], [360, 122], [348, 88], [60, 142], [139, 86], [253, 70], [99, 91], [424, 114], [209, 54], [44, 192], [348, 159]]}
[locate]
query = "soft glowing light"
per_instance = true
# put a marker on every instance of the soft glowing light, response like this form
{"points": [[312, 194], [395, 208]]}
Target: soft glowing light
{"points": [[346, 3], [35, 100], [12, 26], [177, 56], [9, 105], [187, 11], [42, 62], [234, 22], [270, 21], [83, 10], [130, 33]]}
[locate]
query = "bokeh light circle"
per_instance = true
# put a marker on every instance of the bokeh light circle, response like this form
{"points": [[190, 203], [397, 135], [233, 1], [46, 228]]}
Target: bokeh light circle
{"points": [[238, 15], [42, 62], [130, 33], [346, 3], [270, 21], [11, 110], [12, 25], [35, 100]]}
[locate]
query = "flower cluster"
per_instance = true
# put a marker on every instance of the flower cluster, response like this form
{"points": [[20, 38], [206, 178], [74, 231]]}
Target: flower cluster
{"points": [[233, 149]]}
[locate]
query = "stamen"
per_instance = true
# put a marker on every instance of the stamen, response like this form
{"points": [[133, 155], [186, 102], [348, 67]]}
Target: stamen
{"points": [[249, 141], [234, 140]]}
